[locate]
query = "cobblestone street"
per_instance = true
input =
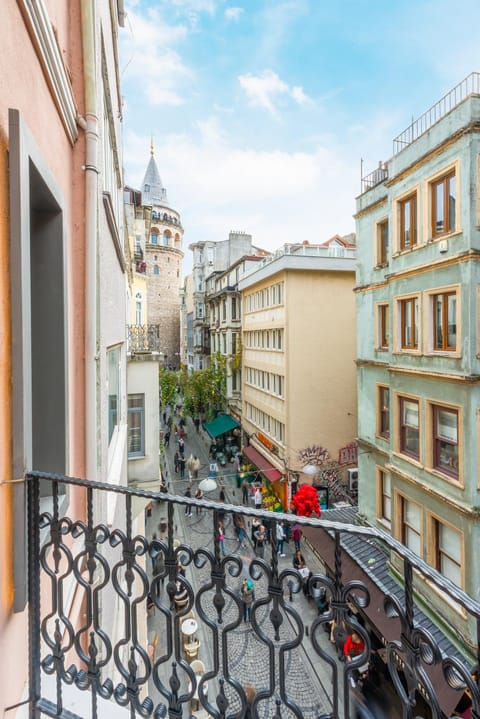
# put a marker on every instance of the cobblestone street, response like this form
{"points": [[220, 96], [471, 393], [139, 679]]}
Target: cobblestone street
{"points": [[307, 677]]}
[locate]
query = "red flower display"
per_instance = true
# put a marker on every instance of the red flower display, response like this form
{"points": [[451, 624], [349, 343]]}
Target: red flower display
{"points": [[305, 502]]}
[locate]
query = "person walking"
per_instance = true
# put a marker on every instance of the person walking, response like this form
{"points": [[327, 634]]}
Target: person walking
{"points": [[181, 466], [245, 491], [296, 535], [221, 537], [257, 498], [176, 457], [181, 446], [166, 438], [256, 523], [188, 493], [198, 495], [248, 597], [261, 537], [164, 416], [196, 422], [280, 538], [239, 524]]}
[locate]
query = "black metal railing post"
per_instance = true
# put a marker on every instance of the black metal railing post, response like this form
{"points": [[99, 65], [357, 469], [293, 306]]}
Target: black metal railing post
{"points": [[33, 532]]}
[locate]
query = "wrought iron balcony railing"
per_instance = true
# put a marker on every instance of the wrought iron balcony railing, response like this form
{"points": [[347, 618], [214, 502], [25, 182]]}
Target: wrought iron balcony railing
{"points": [[143, 338], [280, 664]]}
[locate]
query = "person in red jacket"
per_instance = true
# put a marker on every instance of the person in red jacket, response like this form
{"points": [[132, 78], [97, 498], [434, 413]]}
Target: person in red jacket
{"points": [[353, 646]]}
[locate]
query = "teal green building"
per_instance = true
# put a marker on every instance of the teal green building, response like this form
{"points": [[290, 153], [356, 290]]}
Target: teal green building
{"points": [[418, 312]]}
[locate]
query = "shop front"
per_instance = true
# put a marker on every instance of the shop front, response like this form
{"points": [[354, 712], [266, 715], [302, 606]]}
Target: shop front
{"points": [[225, 433], [273, 482]]}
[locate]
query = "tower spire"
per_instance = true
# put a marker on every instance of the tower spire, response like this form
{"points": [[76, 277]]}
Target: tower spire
{"points": [[152, 150]]}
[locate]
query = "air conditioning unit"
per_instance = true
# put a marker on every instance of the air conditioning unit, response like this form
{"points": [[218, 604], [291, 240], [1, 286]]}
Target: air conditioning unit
{"points": [[353, 479]]}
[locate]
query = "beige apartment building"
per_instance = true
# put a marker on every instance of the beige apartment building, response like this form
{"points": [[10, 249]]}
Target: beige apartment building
{"points": [[299, 407]]}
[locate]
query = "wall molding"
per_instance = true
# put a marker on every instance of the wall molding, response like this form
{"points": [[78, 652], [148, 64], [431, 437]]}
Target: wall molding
{"points": [[43, 37]]}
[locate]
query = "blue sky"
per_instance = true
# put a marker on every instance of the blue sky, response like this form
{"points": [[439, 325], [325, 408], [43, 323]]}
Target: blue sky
{"points": [[262, 110]]}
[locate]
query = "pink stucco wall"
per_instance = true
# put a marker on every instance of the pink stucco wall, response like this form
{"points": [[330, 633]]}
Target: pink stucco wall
{"points": [[23, 86]]}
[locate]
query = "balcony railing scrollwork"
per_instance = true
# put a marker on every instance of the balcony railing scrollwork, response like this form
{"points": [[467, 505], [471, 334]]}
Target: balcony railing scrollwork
{"points": [[143, 338], [114, 572]]}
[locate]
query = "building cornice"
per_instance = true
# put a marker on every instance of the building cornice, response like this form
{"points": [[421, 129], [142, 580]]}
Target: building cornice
{"points": [[470, 255], [416, 371], [467, 511]]}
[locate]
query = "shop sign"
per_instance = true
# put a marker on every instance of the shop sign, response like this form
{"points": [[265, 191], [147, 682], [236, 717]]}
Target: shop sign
{"points": [[266, 442], [348, 454]]}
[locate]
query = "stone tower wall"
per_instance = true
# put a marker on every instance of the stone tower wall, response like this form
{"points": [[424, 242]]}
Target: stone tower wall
{"points": [[163, 297]]}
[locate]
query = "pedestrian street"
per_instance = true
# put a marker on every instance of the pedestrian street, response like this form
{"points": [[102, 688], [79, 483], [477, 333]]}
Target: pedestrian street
{"points": [[307, 677]]}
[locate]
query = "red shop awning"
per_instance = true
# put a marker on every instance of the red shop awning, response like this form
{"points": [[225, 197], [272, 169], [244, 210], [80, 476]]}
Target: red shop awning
{"points": [[263, 465]]}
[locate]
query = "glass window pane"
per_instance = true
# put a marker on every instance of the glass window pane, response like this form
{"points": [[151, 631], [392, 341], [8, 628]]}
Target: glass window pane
{"points": [[449, 542], [410, 414], [439, 209], [451, 570], [447, 425], [452, 320], [451, 202]]}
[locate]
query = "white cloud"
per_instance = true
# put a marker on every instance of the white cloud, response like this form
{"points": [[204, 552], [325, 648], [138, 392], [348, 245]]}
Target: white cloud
{"points": [[278, 196], [233, 13], [151, 60], [265, 89]]}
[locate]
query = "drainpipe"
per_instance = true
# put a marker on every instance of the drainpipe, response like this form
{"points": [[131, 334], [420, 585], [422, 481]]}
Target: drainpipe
{"points": [[90, 125]]}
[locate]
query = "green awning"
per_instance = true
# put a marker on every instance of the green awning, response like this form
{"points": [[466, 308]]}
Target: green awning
{"points": [[221, 424]]}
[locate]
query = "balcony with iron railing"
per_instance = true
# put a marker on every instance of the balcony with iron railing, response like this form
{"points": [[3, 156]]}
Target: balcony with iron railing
{"points": [[280, 663], [143, 339]]}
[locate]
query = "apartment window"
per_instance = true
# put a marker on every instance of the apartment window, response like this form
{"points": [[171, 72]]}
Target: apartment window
{"points": [[384, 412], [409, 428], [383, 333], [382, 243], [411, 517], [384, 508], [234, 343], [234, 308], [443, 205], [445, 321], [113, 383], [224, 310], [409, 323], [408, 222], [446, 553], [445, 440], [136, 425]]}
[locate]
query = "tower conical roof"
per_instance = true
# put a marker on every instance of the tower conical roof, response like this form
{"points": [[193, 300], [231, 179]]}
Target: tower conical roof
{"points": [[153, 192]]}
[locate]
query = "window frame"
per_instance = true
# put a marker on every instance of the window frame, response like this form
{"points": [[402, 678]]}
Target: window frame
{"points": [[383, 412], [382, 242], [384, 497], [410, 201], [445, 317], [414, 315], [434, 550], [404, 526], [453, 475], [137, 410], [383, 335], [402, 427], [433, 185]]}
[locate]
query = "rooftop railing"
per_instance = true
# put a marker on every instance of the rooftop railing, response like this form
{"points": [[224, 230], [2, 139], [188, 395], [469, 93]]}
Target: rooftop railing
{"points": [[278, 664], [466, 88]]}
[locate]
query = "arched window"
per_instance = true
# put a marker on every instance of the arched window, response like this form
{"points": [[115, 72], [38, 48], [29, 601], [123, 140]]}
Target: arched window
{"points": [[156, 270], [155, 258], [154, 237], [166, 238]]}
